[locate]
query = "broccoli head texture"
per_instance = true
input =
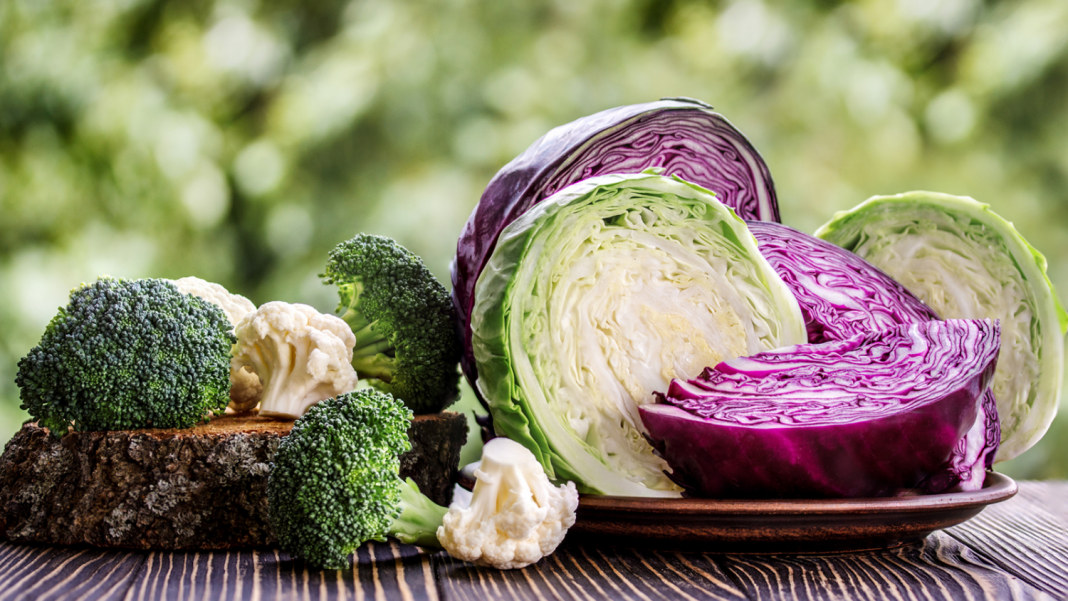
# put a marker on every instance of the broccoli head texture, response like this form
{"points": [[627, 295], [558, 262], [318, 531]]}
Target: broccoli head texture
{"points": [[404, 321], [128, 354], [334, 482]]}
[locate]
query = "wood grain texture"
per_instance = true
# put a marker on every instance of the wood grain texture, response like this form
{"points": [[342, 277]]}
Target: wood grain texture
{"points": [[1027, 536], [380, 571], [59, 573], [939, 568], [585, 572], [1015, 550]]}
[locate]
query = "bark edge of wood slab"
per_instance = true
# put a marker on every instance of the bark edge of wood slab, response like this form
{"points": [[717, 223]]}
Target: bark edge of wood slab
{"points": [[197, 488]]}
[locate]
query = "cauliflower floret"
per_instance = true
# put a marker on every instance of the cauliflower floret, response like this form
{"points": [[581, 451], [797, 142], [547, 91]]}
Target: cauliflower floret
{"points": [[301, 357], [245, 389], [234, 305], [516, 515], [245, 386]]}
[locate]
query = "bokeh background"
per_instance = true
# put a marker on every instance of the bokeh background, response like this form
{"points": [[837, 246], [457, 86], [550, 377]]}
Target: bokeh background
{"points": [[239, 140]]}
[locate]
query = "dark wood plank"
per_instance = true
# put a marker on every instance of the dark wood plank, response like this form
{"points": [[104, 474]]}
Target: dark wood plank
{"points": [[380, 571], [1026, 536], [53, 573], [195, 575], [940, 568], [586, 572]]}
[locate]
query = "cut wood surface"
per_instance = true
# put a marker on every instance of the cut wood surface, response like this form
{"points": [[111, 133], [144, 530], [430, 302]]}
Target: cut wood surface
{"points": [[1013, 550], [196, 488]]}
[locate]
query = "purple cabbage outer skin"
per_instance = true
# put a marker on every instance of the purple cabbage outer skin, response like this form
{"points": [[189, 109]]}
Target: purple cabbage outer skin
{"points": [[973, 455], [862, 417], [841, 295], [684, 137]]}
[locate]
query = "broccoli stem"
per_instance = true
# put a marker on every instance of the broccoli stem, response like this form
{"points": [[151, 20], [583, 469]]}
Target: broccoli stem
{"points": [[376, 366], [419, 519], [373, 355], [356, 319], [369, 341]]}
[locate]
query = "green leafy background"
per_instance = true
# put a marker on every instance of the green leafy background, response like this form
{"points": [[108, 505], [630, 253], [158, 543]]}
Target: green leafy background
{"points": [[239, 140]]}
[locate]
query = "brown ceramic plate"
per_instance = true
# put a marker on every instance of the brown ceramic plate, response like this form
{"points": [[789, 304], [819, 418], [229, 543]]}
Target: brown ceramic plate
{"points": [[780, 526]]}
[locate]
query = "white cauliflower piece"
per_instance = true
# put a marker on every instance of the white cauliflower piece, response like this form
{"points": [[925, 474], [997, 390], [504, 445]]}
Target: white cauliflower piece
{"points": [[301, 357], [234, 305], [516, 515], [245, 386], [245, 389]]}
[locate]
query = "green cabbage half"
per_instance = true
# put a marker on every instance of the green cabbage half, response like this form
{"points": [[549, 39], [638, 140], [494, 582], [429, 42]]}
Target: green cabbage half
{"points": [[599, 296], [965, 261]]}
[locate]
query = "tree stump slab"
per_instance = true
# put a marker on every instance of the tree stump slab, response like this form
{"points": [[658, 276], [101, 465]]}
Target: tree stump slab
{"points": [[195, 488]]}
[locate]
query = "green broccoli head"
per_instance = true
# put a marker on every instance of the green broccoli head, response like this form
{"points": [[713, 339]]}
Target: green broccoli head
{"points": [[405, 323], [334, 483], [128, 354]]}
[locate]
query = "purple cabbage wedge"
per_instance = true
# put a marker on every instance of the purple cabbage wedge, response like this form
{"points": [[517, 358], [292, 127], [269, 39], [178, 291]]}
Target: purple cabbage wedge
{"points": [[862, 417], [684, 137], [841, 296]]}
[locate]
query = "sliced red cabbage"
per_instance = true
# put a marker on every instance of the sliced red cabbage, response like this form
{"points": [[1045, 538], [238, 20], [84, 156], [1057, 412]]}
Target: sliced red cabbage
{"points": [[684, 137], [860, 417], [841, 295]]}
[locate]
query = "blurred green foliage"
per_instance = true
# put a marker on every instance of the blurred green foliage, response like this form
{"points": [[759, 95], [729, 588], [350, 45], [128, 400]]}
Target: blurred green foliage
{"points": [[239, 140]]}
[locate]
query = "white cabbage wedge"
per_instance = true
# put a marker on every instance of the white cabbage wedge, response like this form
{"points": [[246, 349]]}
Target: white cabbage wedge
{"points": [[595, 299]]}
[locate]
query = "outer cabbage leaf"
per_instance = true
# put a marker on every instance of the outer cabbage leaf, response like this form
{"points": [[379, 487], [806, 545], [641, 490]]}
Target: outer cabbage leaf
{"points": [[964, 261], [599, 296], [859, 417], [684, 137]]}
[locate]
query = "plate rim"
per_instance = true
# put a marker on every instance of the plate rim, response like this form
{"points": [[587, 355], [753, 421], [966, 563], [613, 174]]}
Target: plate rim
{"points": [[997, 488]]}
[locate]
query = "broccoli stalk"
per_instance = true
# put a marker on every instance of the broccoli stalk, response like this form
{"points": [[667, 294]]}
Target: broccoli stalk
{"points": [[334, 483], [403, 319], [374, 356], [419, 519], [128, 354]]}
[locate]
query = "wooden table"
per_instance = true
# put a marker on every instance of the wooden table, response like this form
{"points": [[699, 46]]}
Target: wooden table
{"points": [[1014, 550]]}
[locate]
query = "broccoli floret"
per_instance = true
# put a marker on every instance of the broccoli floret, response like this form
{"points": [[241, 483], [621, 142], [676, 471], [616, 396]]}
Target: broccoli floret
{"points": [[404, 321], [128, 354], [334, 483]]}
